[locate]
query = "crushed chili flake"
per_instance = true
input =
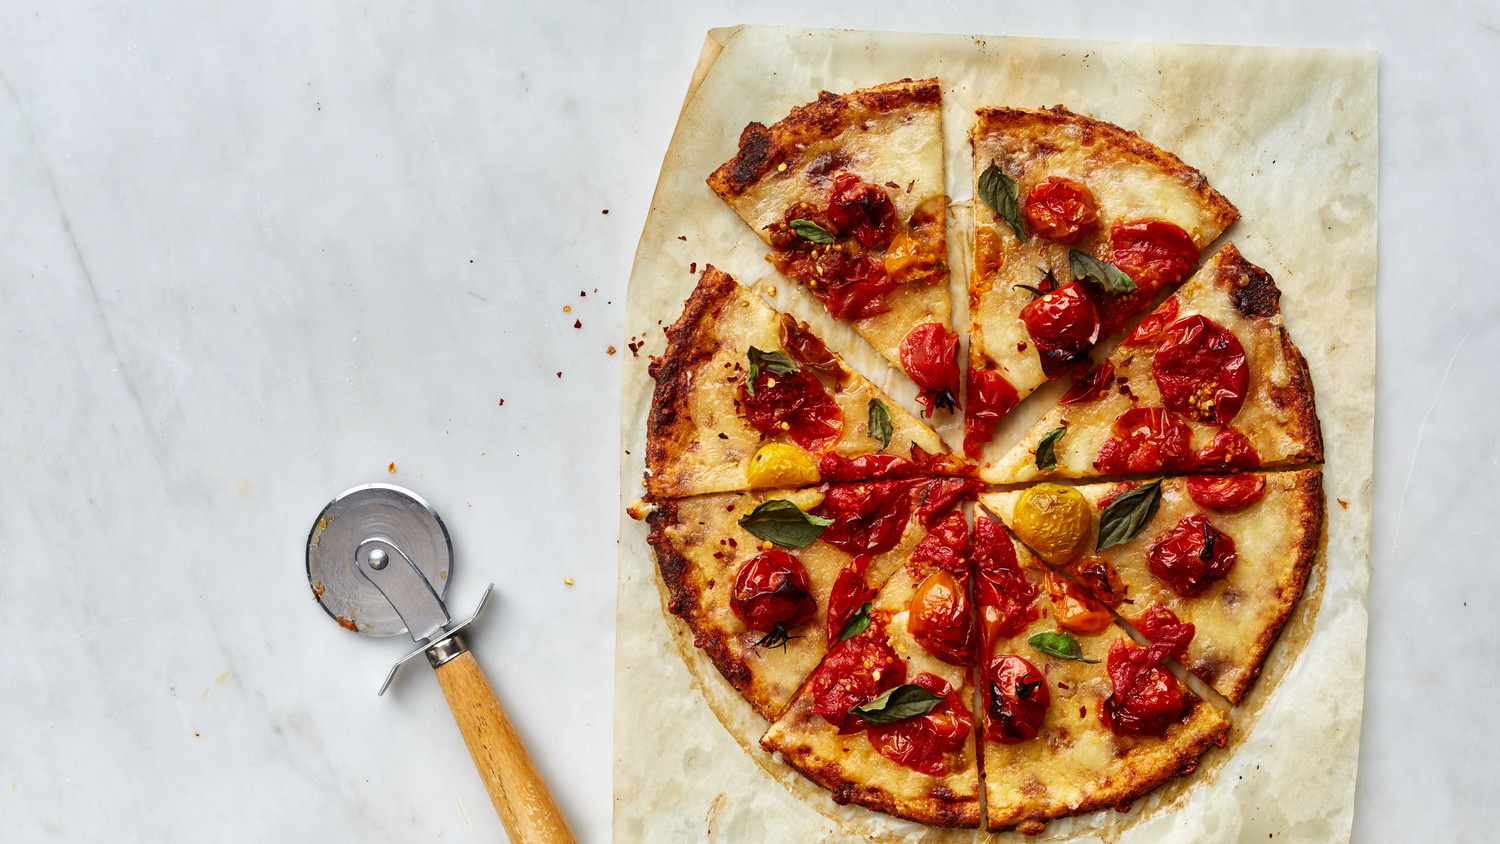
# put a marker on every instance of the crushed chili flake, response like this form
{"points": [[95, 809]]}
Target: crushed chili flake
{"points": [[567, 309], [577, 323], [1342, 503], [893, 186], [634, 349], [723, 436], [391, 468], [610, 350], [682, 237], [559, 375], [581, 294], [501, 404], [910, 184], [605, 211], [693, 267]]}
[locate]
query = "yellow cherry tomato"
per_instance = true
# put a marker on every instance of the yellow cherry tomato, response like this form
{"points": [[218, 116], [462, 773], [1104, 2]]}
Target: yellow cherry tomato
{"points": [[1054, 520], [783, 465]]}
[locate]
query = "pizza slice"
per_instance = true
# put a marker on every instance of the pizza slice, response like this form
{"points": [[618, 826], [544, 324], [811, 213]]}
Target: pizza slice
{"points": [[1077, 716], [884, 722], [848, 193], [766, 580], [1077, 224], [1208, 382], [748, 398], [1227, 554]]}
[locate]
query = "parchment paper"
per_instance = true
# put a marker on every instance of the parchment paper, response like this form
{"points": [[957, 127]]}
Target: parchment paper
{"points": [[1290, 137]]}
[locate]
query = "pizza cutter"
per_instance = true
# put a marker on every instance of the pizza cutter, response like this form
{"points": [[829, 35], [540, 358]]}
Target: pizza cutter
{"points": [[379, 560]]}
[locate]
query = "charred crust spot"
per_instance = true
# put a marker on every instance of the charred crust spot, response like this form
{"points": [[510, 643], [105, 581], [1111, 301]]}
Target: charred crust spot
{"points": [[1254, 293]]}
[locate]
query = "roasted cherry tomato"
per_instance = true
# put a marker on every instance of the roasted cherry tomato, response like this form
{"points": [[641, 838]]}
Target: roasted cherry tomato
{"points": [[1228, 450], [1016, 699], [1073, 608], [1146, 697], [940, 620], [795, 405], [1064, 326], [929, 354], [1062, 209], [990, 398], [1054, 520], [849, 593], [1168, 635], [1145, 439], [836, 468], [855, 671], [868, 518], [1226, 492], [1091, 385], [935, 497], [1151, 327], [926, 743], [1200, 369], [1007, 599], [850, 286], [1154, 254], [1100, 578], [781, 465], [1191, 555], [863, 210], [804, 347], [946, 545], [770, 589]]}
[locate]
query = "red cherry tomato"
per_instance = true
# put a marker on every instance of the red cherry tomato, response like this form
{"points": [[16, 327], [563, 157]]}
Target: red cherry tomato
{"points": [[1100, 578], [924, 743], [1145, 439], [863, 210], [990, 398], [946, 546], [804, 347], [937, 496], [835, 468], [1200, 369], [929, 354], [1073, 608], [1061, 208], [938, 617], [1007, 599], [1229, 449], [770, 589], [855, 671], [1064, 326], [1016, 699], [848, 595], [1151, 327], [868, 518], [1146, 698], [1154, 254], [1226, 492], [1168, 635], [812, 418], [1090, 386], [1191, 555]]}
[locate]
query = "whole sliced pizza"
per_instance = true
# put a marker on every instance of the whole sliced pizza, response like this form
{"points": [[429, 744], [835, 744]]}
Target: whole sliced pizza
{"points": [[1123, 584]]}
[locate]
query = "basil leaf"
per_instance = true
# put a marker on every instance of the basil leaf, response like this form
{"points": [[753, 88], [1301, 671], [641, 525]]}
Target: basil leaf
{"points": [[782, 522], [808, 230], [1060, 645], [1109, 277], [1125, 516], [856, 624], [1001, 193], [776, 363], [905, 701], [880, 422], [1046, 457]]}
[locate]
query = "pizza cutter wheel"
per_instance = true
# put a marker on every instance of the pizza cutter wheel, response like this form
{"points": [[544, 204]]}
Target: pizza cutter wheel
{"points": [[378, 561]]}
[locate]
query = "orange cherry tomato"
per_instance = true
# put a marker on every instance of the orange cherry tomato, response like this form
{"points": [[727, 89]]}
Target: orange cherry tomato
{"points": [[1062, 209], [1073, 609]]}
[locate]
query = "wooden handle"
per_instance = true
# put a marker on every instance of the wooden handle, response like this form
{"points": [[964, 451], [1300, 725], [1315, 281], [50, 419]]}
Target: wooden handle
{"points": [[516, 787]]}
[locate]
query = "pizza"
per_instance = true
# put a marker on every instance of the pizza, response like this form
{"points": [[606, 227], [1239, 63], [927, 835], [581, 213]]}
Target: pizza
{"points": [[848, 193], [1082, 644], [747, 397], [1228, 554], [1209, 381], [1077, 224]]}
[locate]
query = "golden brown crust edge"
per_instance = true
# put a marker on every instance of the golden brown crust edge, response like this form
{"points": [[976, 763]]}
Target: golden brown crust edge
{"points": [[991, 120], [687, 346], [685, 594], [1310, 506], [762, 148], [942, 808], [1142, 781]]}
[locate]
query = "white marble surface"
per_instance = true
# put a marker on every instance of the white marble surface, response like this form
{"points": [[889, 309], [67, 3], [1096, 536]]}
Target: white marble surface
{"points": [[250, 256]]}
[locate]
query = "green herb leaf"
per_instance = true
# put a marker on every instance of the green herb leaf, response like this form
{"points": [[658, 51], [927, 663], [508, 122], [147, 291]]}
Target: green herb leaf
{"points": [[808, 230], [776, 363], [880, 422], [1001, 193], [905, 701], [1129, 513], [1060, 645], [1046, 456], [1109, 277], [782, 522], [856, 623]]}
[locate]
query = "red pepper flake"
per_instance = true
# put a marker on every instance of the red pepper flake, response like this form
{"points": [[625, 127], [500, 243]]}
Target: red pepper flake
{"points": [[693, 268], [1342, 503], [909, 185], [1021, 346], [723, 436], [610, 350], [391, 468], [732, 543], [501, 404], [634, 349], [559, 375], [581, 294], [348, 624], [1083, 711], [605, 211], [682, 237], [893, 186], [577, 323]]}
